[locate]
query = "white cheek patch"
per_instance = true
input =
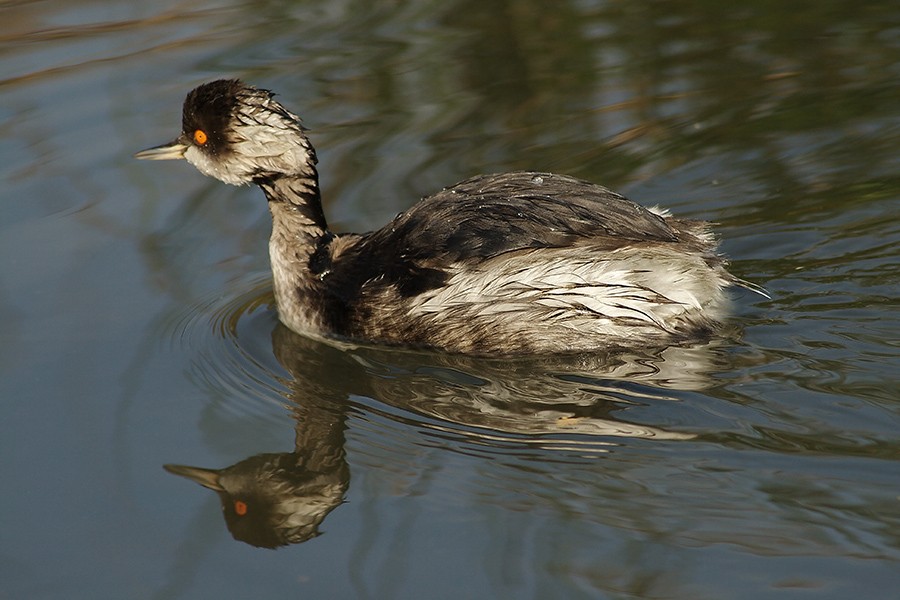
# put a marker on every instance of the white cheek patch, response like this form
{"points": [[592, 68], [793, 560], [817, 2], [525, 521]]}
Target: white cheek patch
{"points": [[214, 168]]}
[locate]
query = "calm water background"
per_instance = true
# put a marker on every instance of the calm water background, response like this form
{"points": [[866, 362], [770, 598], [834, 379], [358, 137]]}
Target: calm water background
{"points": [[136, 329]]}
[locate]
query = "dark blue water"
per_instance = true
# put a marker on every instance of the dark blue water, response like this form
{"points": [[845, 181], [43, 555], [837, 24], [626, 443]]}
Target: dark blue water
{"points": [[136, 325]]}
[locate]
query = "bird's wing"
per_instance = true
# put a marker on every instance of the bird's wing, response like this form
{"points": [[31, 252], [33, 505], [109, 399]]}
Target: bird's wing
{"points": [[493, 214], [484, 217]]}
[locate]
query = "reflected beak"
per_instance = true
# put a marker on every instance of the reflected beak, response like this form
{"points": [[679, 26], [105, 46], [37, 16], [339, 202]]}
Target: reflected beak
{"points": [[171, 151], [208, 478]]}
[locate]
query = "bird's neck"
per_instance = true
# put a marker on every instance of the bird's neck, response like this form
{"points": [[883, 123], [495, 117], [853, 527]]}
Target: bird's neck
{"points": [[298, 194], [299, 234]]}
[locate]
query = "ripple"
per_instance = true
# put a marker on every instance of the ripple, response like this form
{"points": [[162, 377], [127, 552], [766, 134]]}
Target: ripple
{"points": [[555, 408], [562, 408], [229, 340]]}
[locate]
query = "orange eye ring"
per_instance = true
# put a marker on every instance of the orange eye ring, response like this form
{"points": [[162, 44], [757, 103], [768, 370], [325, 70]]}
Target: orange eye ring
{"points": [[200, 136], [240, 508]]}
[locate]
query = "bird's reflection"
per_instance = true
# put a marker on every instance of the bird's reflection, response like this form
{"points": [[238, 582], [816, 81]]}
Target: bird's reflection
{"points": [[271, 500]]}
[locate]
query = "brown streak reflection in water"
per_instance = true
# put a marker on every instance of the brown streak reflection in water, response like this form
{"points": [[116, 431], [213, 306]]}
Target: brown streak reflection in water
{"points": [[555, 404]]}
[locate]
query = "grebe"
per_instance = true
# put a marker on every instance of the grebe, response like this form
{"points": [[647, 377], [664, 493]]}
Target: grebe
{"points": [[511, 263]]}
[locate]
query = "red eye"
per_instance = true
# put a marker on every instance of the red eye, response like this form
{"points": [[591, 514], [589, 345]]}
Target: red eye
{"points": [[239, 507], [200, 136]]}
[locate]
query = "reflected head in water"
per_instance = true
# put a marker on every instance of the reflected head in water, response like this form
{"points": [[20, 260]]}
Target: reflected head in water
{"points": [[271, 500], [268, 500]]}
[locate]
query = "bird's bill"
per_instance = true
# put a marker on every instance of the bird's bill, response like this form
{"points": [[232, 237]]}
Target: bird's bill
{"points": [[171, 151], [208, 478]]}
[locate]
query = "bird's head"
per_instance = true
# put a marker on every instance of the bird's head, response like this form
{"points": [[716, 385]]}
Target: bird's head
{"points": [[238, 134]]}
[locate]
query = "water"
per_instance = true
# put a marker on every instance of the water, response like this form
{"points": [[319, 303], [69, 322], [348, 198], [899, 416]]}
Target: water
{"points": [[137, 328]]}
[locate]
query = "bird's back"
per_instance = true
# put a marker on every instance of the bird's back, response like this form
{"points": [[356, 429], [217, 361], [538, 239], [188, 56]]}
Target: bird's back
{"points": [[526, 262], [492, 214]]}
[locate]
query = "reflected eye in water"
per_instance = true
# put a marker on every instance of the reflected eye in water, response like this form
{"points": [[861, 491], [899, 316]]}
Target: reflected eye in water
{"points": [[271, 500]]}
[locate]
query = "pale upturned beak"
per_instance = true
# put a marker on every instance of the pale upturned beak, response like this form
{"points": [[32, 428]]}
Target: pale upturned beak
{"points": [[208, 478], [171, 151]]}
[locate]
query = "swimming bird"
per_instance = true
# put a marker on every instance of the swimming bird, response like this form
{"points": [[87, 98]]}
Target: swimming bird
{"points": [[502, 264]]}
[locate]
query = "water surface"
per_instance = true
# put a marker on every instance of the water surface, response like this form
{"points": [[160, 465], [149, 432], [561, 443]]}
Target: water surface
{"points": [[136, 325]]}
